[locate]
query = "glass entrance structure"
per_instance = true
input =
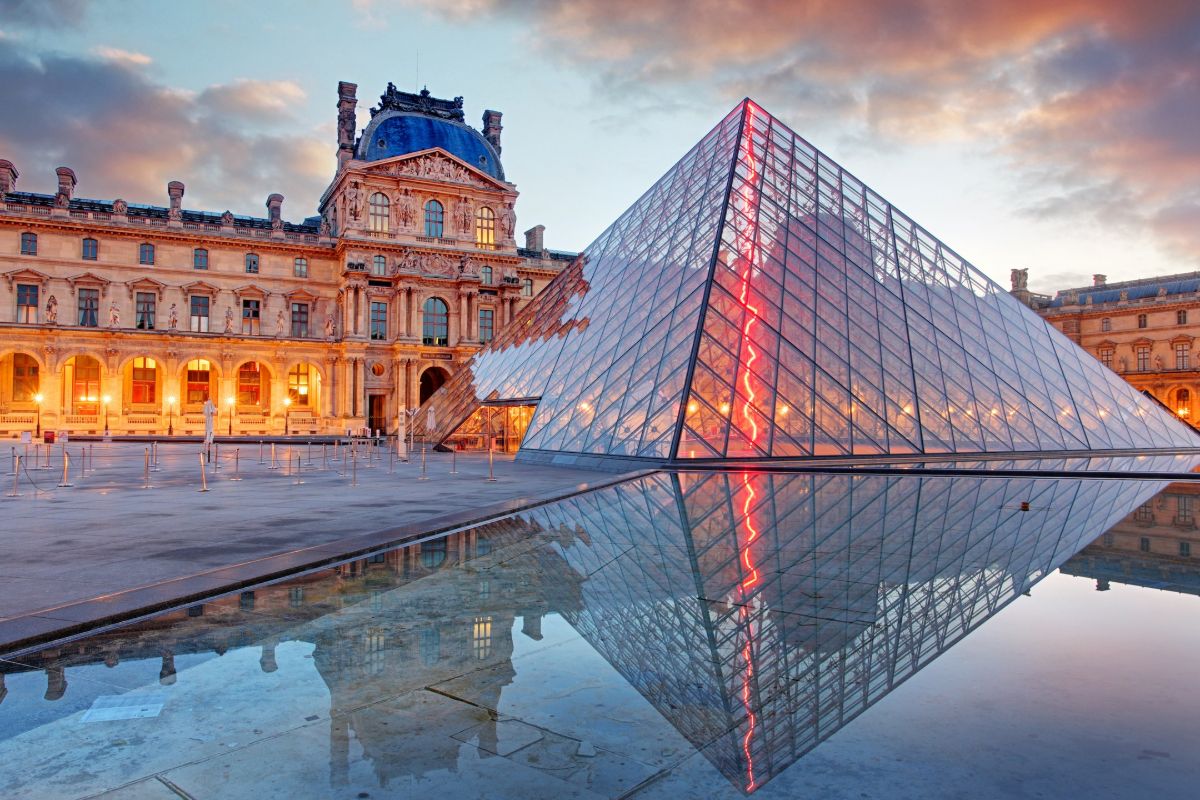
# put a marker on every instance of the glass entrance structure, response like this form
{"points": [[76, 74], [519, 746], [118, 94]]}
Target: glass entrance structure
{"points": [[760, 302]]}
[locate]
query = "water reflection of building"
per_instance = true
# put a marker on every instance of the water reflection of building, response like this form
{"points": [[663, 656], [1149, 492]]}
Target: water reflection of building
{"points": [[1157, 546]]}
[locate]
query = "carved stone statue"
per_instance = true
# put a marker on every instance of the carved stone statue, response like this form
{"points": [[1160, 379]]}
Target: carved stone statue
{"points": [[227, 219], [114, 315], [52, 310], [330, 328], [464, 264], [1020, 279], [352, 200], [120, 207], [173, 318], [1158, 363], [326, 228], [407, 262], [61, 200], [406, 209], [279, 323], [508, 221], [463, 214], [1124, 364], [174, 213], [277, 224], [229, 320]]}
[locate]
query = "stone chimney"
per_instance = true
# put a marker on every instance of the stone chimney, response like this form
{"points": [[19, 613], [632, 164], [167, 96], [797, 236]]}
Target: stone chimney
{"points": [[492, 128], [1099, 280], [347, 101], [8, 177], [275, 213], [535, 238], [175, 212], [66, 186]]}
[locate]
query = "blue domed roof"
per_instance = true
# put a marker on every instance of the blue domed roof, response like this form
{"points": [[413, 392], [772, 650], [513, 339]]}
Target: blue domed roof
{"points": [[392, 133]]}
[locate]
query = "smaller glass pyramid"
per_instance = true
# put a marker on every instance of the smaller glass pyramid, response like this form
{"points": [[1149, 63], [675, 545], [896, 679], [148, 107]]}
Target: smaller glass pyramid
{"points": [[759, 302]]}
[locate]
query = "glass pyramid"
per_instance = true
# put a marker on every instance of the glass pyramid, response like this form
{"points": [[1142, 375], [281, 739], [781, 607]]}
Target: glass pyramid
{"points": [[761, 302]]}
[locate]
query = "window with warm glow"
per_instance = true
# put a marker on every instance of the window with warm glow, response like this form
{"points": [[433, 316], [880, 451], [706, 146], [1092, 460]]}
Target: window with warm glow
{"points": [[485, 227], [481, 638], [435, 324], [249, 391], [199, 381], [25, 380], [300, 384], [143, 380], [85, 385]]}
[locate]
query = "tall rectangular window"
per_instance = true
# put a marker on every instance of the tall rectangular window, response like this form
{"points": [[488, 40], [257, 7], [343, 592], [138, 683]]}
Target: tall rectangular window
{"points": [[1106, 356], [486, 324], [299, 320], [199, 258], [1143, 359], [527, 287], [25, 383], [143, 379], [1183, 358], [144, 311], [1181, 317], [1185, 549], [252, 263], [379, 321], [1144, 544], [199, 313], [379, 266], [89, 307], [1106, 324], [1183, 509], [91, 249], [27, 302], [300, 268], [249, 391], [1142, 320], [251, 316], [29, 244], [146, 254]]}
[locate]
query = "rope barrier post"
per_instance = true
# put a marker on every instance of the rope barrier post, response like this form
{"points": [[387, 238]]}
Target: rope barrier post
{"points": [[354, 467], [82, 462], [203, 474], [154, 456], [216, 458], [65, 483], [324, 456], [260, 452], [391, 460], [14, 461], [299, 480], [46, 460], [308, 454], [146, 470], [423, 476], [454, 461], [237, 454], [91, 458], [16, 480], [343, 472], [491, 460], [274, 461]]}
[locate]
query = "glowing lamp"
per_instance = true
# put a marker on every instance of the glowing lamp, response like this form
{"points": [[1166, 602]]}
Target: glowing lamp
{"points": [[37, 398], [287, 401], [724, 408], [783, 410], [693, 407], [107, 399]]}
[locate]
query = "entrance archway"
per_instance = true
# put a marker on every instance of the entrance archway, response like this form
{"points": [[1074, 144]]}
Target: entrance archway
{"points": [[432, 380]]}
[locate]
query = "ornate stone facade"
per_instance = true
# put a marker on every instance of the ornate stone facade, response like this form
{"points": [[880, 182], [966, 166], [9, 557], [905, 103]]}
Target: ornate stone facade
{"points": [[126, 318], [1144, 330]]}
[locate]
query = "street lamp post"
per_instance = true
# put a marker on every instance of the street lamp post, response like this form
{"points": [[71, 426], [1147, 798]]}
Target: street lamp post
{"points": [[287, 407], [170, 416], [37, 398], [229, 402], [105, 401]]}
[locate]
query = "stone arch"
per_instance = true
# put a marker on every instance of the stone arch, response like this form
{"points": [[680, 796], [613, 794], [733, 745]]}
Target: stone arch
{"points": [[432, 378]]}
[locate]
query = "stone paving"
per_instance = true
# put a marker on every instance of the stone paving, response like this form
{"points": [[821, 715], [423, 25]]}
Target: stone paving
{"points": [[107, 533]]}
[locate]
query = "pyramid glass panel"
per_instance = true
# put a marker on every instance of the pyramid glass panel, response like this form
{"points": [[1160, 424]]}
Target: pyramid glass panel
{"points": [[760, 302]]}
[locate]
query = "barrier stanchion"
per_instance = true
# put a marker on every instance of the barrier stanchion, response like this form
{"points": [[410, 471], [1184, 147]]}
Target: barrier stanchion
{"points": [[335, 449], [260, 453], [16, 480], [216, 458], [274, 461], [65, 483], [91, 465], [423, 476], [491, 460], [454, 462], [146, 470], [203, 475], [391, 460], [354, 466], [237, 454], [46, 460], [324, 456], [308, 454], [14, 461], [154, 456], [82, 463], [299, 480]]}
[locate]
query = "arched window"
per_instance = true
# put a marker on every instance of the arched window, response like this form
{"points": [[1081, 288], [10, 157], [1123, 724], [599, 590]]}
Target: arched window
{"points": [[300, 384], [249, 384], [379, 266], [146, 253], [143, 380], [485, 275], [199, 258], [434, 217], [85, 385], [91, 248], [199, 381], [378, 214], [25, 381], [485, 227], [435, 323]]}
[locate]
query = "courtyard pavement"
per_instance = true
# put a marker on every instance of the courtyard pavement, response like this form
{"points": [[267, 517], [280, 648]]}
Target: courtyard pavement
{"points": [[106, 547]]}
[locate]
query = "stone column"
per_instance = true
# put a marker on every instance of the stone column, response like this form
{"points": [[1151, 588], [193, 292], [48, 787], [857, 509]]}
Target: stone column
{"points": [[402, 301], [328, 404], [360, 369]]}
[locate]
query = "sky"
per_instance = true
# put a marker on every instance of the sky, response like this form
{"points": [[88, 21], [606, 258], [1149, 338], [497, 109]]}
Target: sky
{"points": [[1061, 137]]}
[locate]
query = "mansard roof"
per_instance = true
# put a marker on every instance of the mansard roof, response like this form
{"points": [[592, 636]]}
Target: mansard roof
{"points": [[1167, 285]]}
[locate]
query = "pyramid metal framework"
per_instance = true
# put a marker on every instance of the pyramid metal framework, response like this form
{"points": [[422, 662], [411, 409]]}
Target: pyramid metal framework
{"points": [[761, 302]]}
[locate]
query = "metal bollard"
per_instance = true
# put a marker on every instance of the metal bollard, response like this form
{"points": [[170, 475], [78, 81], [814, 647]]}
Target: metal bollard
{"points": [[154, 456], [146, 471], [491, 460], [308, 454], [216, 458], [16, 479], [203, 475], [14, 461], [343, 472], [274, 461], [91, 465], [298, 480], [237, 455], [324, 456], [66, 478], [82, 463], [260, 454], [422, 476], [354, 468], [454, 462], [46, 460]]}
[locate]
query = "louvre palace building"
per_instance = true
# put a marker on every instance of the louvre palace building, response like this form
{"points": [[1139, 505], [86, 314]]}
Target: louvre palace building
{"points": [[118, 315]]}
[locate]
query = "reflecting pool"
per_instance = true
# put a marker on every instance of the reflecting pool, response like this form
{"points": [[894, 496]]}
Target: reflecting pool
{"points": [[677, 635]]}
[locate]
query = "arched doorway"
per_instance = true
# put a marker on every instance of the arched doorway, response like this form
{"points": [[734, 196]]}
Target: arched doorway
{"points": [[432, 379]]}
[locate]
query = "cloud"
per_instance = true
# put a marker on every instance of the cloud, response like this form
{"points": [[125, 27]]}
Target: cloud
{"points": [[1092, 98], [43, 13], [126, 135], [119, 56]]}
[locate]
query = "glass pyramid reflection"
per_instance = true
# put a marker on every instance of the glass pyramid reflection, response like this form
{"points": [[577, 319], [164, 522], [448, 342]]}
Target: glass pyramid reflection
{"points": [[761, 302]]}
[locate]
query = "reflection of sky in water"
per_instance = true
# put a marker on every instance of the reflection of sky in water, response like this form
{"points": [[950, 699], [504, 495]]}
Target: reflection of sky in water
{"points": [[581, 625]]}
